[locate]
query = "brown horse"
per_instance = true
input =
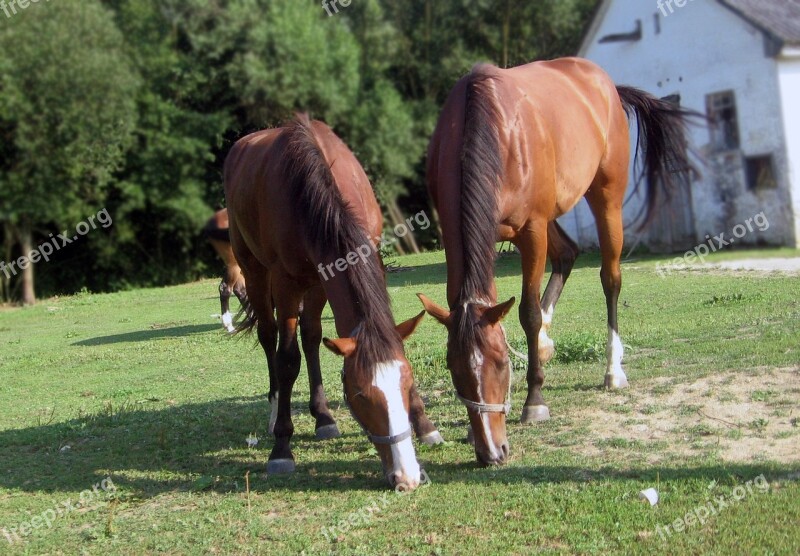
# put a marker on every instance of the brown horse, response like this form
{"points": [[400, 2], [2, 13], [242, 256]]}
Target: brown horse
{"points": [[303, 225], [513, 150], [216, 230]]}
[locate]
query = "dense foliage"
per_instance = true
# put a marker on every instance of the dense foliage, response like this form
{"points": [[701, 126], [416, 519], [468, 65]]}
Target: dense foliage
{"points": [[131, 105]]}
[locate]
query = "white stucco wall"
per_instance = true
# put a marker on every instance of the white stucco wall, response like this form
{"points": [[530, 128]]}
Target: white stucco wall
{"points": [[704, 48], [789, 78]]}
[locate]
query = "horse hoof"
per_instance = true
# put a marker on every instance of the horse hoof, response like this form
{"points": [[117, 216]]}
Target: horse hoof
{"points": [[326, 432], [470, 436], [615, 382], [432, 438], [281, 466], [534, 414]]}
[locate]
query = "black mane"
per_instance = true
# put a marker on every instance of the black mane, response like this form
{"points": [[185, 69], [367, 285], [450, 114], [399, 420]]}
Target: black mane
{"points": [[332, 228], [481, 176]]}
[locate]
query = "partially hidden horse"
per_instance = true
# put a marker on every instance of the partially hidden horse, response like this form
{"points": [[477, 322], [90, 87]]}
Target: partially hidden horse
{"points": [[217, 233], [513, 150], [303, 225]]}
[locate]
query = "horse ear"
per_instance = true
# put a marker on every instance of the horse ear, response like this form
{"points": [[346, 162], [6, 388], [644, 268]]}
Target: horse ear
{"points": [[439, 313], [341, 346], [405, 329], [495, 314]]}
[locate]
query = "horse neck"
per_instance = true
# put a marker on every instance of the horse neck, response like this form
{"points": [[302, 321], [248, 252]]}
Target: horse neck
{"points": [[342, 300], [457, 294]]}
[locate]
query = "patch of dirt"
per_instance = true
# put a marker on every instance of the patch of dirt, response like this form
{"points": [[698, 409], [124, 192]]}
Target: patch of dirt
{"points": [[790, 265], [741, 417]]}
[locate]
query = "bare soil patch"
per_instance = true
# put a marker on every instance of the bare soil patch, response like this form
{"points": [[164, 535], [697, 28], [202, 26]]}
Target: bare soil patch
{"points": [[741, 417]]}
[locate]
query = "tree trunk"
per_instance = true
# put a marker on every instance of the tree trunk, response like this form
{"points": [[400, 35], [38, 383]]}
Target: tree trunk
{"points": [[26, 243], [408, 240], [5, 279]]}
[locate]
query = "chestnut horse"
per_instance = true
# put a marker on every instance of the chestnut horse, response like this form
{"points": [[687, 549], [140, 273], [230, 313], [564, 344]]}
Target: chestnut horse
{"points": [[216, 230], [299, 201], [513, 150]]}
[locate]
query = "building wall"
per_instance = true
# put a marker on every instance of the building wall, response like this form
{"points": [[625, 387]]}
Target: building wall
{"points": [[789, 78], [698, 49]]}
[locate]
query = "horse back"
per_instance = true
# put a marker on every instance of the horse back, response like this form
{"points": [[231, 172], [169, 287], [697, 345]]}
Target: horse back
{"points": [[559, 118], [262, 210]]}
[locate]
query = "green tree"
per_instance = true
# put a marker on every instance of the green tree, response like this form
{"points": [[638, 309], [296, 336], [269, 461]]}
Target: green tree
{"points": [[66, 114], [170, 181]]}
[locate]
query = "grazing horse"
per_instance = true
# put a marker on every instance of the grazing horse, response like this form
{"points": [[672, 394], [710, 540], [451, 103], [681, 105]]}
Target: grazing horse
{"points": [[216, 230], [300, 204], [513, 150]]}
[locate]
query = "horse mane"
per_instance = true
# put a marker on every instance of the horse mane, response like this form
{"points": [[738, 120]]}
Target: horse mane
{"points": [[481, 176], [331, 227]]}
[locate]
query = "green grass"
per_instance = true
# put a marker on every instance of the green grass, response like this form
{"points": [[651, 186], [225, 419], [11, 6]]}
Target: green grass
{"points": [[143, 387]]}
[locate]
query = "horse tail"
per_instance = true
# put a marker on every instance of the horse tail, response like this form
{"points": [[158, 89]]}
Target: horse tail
{"points": [[245, 318], [662, 128], [481, 175]]}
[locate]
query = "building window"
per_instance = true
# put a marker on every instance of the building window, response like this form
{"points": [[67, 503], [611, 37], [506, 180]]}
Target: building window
{"points": [[760, 172], [721, 111]]}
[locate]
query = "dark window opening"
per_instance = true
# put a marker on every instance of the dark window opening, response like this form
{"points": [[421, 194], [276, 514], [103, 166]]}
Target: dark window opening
{"points": [[721, 111], [760, 172]]}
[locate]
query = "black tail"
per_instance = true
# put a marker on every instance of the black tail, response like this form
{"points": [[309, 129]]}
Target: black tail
{"points": [[662, 140]]}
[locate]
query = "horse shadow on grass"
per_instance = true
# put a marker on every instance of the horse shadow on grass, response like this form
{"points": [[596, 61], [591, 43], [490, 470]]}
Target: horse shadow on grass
{"points": [[201, 446], [155, 333], [505, 266]]}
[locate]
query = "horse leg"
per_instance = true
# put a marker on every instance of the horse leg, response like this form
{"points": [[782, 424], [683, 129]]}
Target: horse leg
{"points": [[262, 309], [562, 252], [224, 302], [532, 244], [423, 427], [608, 217], [311, 338], [287, 369], [240, 288], [268, 337]]}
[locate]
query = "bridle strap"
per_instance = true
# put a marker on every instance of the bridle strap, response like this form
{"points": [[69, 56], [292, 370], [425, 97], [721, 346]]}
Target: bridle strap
{"points": [[375, 439], [390, 440], [481, 407]]}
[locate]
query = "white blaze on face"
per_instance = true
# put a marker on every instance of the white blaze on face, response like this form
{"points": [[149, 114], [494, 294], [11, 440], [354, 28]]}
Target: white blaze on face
{"points": [[476, 363], [404, 460]]}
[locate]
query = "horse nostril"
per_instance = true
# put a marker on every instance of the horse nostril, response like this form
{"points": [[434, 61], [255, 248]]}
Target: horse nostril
{"points": [[504, 448]]}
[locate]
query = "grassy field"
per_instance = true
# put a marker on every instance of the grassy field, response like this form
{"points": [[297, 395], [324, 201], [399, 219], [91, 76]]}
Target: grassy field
{"points": [[144, 389]]}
